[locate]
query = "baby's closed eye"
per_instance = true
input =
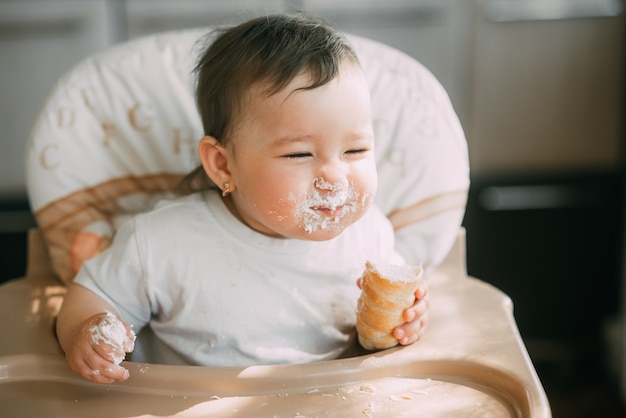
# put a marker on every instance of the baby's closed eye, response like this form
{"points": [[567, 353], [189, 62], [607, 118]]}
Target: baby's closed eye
{"points": [[296, 155]]}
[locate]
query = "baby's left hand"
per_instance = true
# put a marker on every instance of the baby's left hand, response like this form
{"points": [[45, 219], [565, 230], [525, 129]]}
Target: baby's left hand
{"points": [[416, 318]]}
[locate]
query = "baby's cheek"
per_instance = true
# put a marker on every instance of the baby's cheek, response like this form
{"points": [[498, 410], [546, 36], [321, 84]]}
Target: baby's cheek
{"points": [[366, 197], [366, 185]]}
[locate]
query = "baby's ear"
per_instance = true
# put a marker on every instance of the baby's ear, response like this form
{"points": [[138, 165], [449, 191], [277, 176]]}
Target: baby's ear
{"points": [[215, 160]]}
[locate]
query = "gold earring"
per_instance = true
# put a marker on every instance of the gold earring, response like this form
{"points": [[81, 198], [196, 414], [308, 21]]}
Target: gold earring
{"points": [[225, 191]]}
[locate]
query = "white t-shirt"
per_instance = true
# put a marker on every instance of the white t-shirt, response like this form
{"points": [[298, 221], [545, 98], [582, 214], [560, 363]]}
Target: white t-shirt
{"points": [[221, 294]]}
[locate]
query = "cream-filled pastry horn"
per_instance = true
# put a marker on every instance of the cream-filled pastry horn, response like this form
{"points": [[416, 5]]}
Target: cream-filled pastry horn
{"points": [[386, 291]]}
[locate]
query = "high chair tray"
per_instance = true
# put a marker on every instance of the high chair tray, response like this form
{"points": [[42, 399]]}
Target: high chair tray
{"points": [[42, 385], [471, 362]]}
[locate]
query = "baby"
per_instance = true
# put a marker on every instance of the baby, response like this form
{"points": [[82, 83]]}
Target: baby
{"points": [[256, 263]]}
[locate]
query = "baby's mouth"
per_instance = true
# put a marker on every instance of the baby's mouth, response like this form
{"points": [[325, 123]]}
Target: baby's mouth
{"points": [[328, 211]]}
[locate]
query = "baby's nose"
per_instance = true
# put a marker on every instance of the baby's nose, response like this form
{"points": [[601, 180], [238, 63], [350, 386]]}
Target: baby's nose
{"points": [[322, 184], [332, 175]]}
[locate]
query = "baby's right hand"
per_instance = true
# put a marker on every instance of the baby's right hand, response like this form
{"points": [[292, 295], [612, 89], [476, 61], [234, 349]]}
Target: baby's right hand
{"points": [[98, 346]]}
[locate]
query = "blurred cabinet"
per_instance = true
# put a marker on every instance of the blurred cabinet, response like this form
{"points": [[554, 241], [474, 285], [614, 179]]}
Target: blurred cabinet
{"points": [[546, 140], [144, 17], [547, 86]]}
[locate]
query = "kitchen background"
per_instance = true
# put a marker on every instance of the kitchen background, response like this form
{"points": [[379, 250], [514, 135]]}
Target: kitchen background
{"points": [[539, 88]]}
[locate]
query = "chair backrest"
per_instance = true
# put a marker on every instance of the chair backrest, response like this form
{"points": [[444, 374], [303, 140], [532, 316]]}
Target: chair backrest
{"points": [[119, 131]]}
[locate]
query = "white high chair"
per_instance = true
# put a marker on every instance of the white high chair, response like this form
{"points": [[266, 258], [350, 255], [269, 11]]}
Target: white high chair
{"points": [[119, 131]]}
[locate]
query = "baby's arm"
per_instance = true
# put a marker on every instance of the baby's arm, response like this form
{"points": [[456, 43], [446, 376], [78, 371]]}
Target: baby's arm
{"points": [[416, 318], [92, 336]]}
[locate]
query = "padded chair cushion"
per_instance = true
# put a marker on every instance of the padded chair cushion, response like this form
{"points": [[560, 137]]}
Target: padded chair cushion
{"points": [[119, 131]]}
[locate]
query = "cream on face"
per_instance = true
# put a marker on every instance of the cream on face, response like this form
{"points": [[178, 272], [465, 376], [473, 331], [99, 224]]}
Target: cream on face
{"points": [[326, 206]]}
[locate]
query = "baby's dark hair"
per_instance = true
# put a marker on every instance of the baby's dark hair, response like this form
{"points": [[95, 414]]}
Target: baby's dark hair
{"points": [[268, 51]]}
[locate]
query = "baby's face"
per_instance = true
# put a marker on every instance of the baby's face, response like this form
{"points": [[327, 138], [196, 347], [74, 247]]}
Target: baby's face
{"points": [[302, 161]]}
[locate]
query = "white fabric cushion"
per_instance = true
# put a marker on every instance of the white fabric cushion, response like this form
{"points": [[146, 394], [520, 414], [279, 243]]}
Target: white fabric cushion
{"points": [[120, 130]]}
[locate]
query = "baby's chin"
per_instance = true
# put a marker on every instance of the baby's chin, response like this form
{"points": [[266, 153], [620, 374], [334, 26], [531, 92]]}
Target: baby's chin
{"points": [[304, 233], [300, 233], [321, 232], [323, 235], [312, 228]]}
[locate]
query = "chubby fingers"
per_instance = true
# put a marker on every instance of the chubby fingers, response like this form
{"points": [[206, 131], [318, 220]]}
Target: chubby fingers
{"points": [[95, 354], [419, 308], [416, 318], [411, 331], [421, 292], [94, 367]]}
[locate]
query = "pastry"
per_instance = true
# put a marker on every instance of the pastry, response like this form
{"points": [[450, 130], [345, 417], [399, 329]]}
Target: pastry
{"points": [[386, 291]]}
